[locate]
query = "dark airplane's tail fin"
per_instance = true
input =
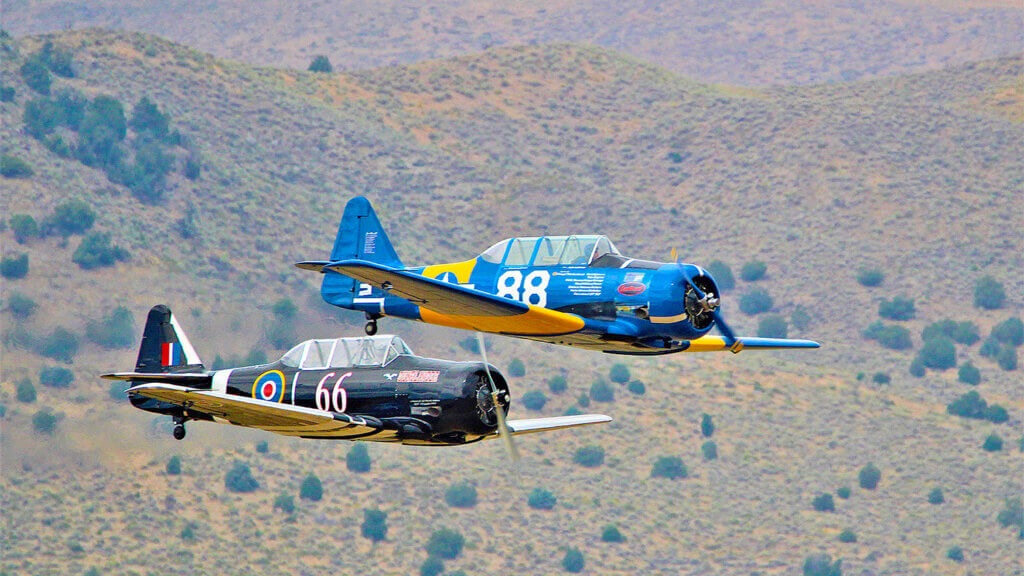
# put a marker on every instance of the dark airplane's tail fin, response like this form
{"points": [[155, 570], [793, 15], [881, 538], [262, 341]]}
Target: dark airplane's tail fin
{"points": [[165, 347]]}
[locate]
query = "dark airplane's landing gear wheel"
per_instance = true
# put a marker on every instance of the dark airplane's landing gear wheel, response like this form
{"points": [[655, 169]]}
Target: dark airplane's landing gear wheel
{"points": [[371, 327], [179, 431]]}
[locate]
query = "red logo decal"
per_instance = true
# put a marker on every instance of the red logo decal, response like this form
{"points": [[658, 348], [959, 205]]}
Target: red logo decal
{"points": [[632, 288]]}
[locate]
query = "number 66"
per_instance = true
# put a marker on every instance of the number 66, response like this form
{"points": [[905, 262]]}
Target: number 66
{"points": [[336, 399]]}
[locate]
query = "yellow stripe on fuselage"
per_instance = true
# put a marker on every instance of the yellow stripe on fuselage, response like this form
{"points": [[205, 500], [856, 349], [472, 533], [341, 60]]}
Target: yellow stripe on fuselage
{"points": [[535, 322], [461, 270]]}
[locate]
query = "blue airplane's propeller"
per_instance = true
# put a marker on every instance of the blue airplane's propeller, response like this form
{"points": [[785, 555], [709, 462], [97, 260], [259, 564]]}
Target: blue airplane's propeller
{"points": [[711, 304]]}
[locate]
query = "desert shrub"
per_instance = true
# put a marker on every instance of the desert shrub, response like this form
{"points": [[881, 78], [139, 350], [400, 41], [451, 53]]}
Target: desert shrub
{"points": [[843, 492], [772, 326], [20, 305], [590, 456], [69, 105], [41, 117], [869, 476], [1009, 331], [321, 63], [709, 449], [822, 565], [990, 348], [311, 488], [96, 251], [14, 167], [707, 425], [14, 267], [972, 405], [847, 536], [870, 277], [239, 478], [516, 368], [358, 458], [800, 318], [755, 302], [899, 308], [146, 117], [262, 447], [636, 387], [7, 93], [573, 560], [670, 467], [461, 495], [823, 503], [583, 400], [432, 566], [722, 274], [36, 76], [963, 332], [285, 503], [445, 543], [611, 533], [24, 391], [1007, 358], [188, 533], [375, 525], [24, 227], [173, 467], [70, 217], [890, 336], [619, 373], [917, 368], [59, 60], [996, 414], [45, 421], [881, 378], [115, 330], [969, 374], [936, 496], [285, 309], [938, 353], [60, 344], [602, 391], [557, 384], [955, 553], [534, 400], [1012, 514], [992, 443], [753, 271], [989, 293], [541, 499]]}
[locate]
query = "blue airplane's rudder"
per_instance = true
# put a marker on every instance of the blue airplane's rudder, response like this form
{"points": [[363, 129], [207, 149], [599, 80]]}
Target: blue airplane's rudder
{"points": [[360, 237]]}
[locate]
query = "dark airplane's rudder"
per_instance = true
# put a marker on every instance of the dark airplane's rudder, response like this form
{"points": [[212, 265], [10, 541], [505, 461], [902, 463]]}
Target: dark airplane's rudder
{"points": [[360, 236], [165, 347]]}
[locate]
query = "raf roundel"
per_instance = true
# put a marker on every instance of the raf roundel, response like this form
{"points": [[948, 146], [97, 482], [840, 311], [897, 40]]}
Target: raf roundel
{"points": [[269, 386]]}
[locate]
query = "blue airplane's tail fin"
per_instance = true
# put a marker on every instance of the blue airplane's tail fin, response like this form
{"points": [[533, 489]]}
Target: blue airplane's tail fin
{"points": [[360, 237]]}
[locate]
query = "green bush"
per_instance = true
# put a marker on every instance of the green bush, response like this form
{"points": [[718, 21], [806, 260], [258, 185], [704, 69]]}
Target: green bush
{"points": [[115, 330], [707, 426], [321, 64], [573, 560], [432, 566], [938, 353], [1007, 358], [7, 93], [755, 302], [936, 496], [20, 305], [541, 499], [358, 458], [311, 488], [24, 227], [239, 479], [602, 391], [262, 447], [847, 536], [590, 456], [70, 217], [993, 443], [173, 467], [969, 374], [636, 387], [670, 467], [821, 565], [445, 543], [955, 553], [843, 492], [800, 318], [285, 309], [45, 421], [989, 293], [917, 368], [772, 326], [869, 476], [962, 332], [619, 373], [516, 368], [899, 308], [881, 378], [557, 384], [375, 525], [59, 60], [753, 271], [611, 533], [56, 377], [534, 400], [889, 336], [1009, 331], [710, 450], [870, 277], [1012, 513], [461, 495], [972, 405], [188, 533], [96, 251], [41, 117], [285, 503], [14, 167], [60, 344], [14, 267], [823, 503], [36, 76], [24, 391], [722, 274], [146, 117]]}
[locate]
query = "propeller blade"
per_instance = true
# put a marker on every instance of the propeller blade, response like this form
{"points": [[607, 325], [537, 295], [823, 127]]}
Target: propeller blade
{"points": [[673, 256], [730, 337], [503, 431]]}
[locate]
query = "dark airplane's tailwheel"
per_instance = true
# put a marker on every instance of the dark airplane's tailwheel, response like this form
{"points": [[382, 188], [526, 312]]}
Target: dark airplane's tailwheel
{"points": [[371, 328], [179, 431]]}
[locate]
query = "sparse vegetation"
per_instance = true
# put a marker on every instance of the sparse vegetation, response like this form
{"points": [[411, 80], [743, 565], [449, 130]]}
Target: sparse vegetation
{"points": [[311, 489], [590, 456], [97, 251], [285, 503], [461, 495], [707, 425], [753, 271], [1009, 332], [432, 566], [14, 167], [611, 533], [670, 467], [1012, 513], [890, 336], [772, 326], [45, 421], [239, 479], [969, 374], [989, 293], [24, 391], [321, 64], [557, 384], [939, 353], [636, 387], [962, 332], [823, 503], [375, 525], [14, 267], [822, 565], [20, 305], [800, 318], [173, 467], [847, 536], [602, 391], [358, 458], [900, 308], [992, 443], [881, 378], [25, 228], [70, 217], [870, 277], [534, 400], [955, 553], [61, 344], [755, 302], [936, 496], [445, 543], [541, 499], [972, 405], [709, 450], [869, 476], [722, 274], [573, 560], [843, 492], [115, 330]]}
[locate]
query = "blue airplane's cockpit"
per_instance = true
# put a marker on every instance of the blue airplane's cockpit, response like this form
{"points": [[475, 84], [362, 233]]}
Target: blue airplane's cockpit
{"points": [[577, 250], [345, 352]]}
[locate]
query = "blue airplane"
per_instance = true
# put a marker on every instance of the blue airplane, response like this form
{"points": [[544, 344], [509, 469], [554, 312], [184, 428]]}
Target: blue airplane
{"points": [[575, 291]]}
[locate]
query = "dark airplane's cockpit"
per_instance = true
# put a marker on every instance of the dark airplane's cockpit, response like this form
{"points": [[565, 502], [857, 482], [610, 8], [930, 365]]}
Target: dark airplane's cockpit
{"points": [[346, 352], [582, 250]]}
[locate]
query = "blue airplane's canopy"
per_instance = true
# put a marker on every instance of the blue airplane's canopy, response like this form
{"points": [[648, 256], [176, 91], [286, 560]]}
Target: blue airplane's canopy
{"points": [[549, 250]]}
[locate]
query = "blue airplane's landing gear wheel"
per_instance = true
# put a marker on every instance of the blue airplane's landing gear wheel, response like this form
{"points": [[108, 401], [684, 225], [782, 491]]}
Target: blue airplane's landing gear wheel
{"points": [[371, 328], [179, 431]]}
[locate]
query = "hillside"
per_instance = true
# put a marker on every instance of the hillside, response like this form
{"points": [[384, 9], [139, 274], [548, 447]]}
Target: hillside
{"points": [[916, 175], [746, 43]]}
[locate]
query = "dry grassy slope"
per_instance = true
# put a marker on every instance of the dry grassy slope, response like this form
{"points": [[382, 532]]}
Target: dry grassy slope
{"points": [[734, 42], [459, 153]]}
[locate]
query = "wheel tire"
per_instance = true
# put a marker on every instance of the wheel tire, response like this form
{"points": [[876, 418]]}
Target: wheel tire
{"points": [[179, 432], [371, 328]]}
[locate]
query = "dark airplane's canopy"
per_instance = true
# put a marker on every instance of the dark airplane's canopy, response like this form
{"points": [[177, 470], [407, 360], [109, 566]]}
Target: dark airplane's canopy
{"points": [[346, 352]]}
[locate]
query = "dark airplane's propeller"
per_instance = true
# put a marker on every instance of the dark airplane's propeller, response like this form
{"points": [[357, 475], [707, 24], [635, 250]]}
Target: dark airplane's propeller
{"points": [[503, 431], [708, 303]]}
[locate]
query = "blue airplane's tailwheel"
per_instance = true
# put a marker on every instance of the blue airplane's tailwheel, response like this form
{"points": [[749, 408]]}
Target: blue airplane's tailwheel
{"points": [[371, 328], [179, 431]]}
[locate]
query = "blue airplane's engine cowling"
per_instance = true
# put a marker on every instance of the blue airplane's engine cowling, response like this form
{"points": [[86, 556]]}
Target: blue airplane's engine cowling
{"points": [[676, 305]]}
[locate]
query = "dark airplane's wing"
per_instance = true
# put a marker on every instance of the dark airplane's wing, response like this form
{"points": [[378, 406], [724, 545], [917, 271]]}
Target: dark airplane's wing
{"points": [[453, 305], [271, 416], [185, 379], [531, 425]]}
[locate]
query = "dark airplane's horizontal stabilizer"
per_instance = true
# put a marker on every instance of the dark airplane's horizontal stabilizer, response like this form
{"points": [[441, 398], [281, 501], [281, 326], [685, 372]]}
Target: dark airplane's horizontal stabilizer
{"points": [[194, 380], [531, 425]]}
